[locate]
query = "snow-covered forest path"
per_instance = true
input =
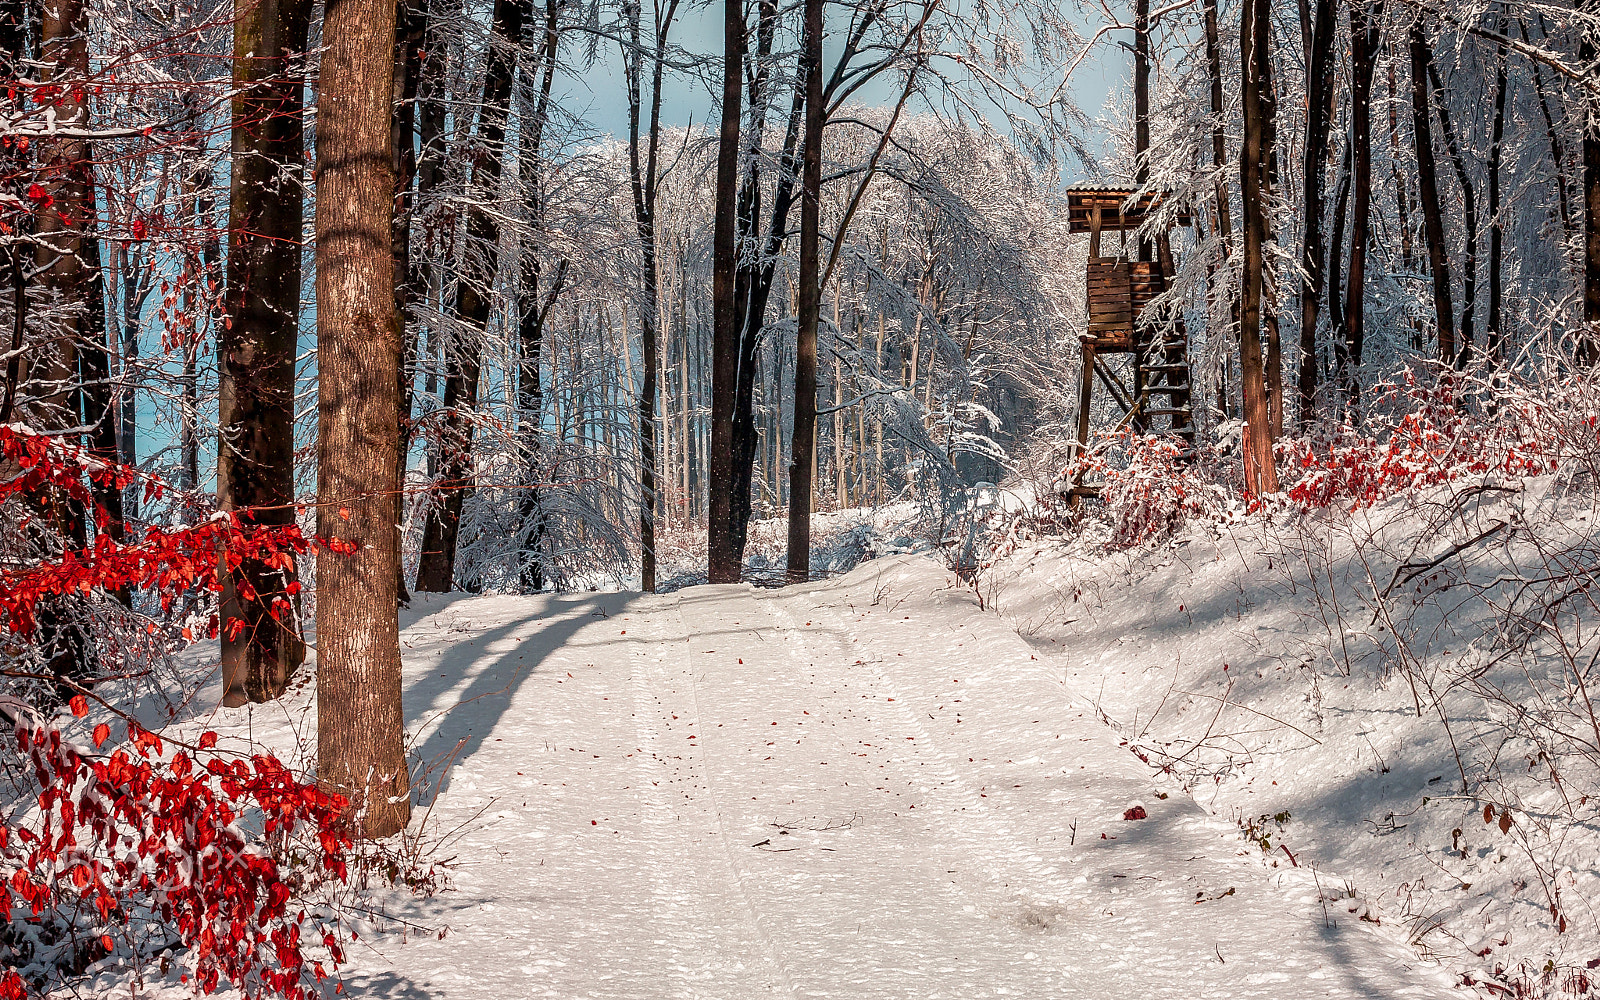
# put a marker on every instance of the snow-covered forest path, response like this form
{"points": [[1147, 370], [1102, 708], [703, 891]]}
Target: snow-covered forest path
{"points": [[860, 788]]}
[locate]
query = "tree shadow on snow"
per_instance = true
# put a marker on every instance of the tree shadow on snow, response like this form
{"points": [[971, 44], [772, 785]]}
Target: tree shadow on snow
{"points": [[384, 984], [462, 725]]}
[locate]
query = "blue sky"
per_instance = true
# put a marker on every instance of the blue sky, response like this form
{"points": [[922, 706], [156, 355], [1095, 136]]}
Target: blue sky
{"points": [[595, 93]]}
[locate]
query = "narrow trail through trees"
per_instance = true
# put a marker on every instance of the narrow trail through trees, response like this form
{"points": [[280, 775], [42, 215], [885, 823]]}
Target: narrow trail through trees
{"points": [[864, 787]]}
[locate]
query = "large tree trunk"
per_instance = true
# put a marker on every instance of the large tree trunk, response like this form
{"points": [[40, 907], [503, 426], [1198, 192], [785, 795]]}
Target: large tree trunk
{"points": [[722, 552], [1587, 53], [48, 379], [474, 301], [360, 724], [1469, 217], [754, 272], [1319, 85], [644, 180], [1428, 194], [14, 50], [1141, 175], [1255, 44], [759, 274], [1496, 332], [1363, 60], [533, 306], [803, 441], [410, 34], [257, 346], [61, 223], [1335, 289]]}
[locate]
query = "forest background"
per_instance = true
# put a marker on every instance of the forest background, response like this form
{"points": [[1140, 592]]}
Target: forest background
{"points": [[397, 283]]}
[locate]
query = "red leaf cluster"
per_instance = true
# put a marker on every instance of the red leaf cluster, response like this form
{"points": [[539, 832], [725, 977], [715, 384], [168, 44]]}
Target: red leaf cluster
{"points": [[1430, 437], [140, 830], [168, 563]]}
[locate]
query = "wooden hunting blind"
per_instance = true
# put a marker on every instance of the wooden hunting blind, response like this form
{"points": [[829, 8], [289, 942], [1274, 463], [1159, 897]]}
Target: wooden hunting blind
{"points": [[1119, 287]]}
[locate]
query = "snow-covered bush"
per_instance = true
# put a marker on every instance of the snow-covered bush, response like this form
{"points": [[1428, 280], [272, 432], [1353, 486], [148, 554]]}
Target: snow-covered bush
{"points": [[1148, 488], [1428, 428]]}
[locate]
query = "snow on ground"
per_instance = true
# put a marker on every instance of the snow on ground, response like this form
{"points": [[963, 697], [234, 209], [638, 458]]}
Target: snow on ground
{"points": [[1258, 661], [865, 787]]}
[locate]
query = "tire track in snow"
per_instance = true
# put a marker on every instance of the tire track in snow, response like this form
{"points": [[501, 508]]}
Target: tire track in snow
{"points": [[656, 692], [887, 906], [1131, 903], [981, 838]]}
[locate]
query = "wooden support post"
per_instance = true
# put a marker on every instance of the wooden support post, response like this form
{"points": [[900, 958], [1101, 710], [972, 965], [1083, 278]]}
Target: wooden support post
{"points": [[1085, 395]]}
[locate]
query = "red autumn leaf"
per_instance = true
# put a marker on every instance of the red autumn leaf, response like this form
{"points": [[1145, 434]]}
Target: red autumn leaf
{"points": [[1137, 812], [79, 705], [102, 732], [208, 739]]}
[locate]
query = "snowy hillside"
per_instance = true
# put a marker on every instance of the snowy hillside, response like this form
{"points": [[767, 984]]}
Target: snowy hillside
{"points": [[1396, 701]]}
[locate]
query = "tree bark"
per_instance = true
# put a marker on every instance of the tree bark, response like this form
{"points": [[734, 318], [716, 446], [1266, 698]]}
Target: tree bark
{"points": [[1428, 194], [61, 223], [759, 273], [360, 723], [1588, 50], [48, 373], [533, 303], [1335, 289], [410, 34], [1496, 332], [722, 555], [99, 398], [644, 175], [1319, 86], [14, 50], [1256, 56], [1363, 60], [754, 272], [474, 301], [1469, 218], [257, 345], [1141, 119], [803, 443]]}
